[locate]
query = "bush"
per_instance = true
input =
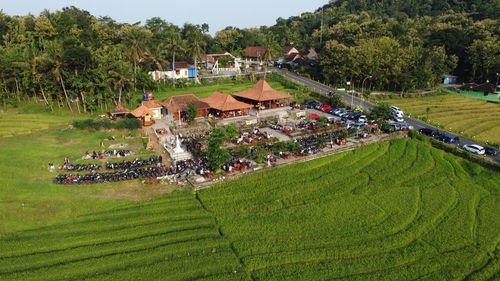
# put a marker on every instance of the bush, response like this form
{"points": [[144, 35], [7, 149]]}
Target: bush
{"points": [[82, 124], [412, 134], [130, 124]]}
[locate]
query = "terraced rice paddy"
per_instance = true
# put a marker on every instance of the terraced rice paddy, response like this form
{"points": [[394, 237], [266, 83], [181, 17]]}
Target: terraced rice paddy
{"points": [[13, 123], [400, 210], [475, 118]]}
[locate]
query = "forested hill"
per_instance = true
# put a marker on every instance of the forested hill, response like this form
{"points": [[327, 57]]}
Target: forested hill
{"points": [[402, 44], [480, 9]]}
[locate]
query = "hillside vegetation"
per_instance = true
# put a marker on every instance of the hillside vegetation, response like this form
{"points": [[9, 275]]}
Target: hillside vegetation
{"points": [[400, 210]]}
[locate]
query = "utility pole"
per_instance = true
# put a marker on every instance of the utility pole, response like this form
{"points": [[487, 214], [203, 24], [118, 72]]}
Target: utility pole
{"points": [[321, 29]]}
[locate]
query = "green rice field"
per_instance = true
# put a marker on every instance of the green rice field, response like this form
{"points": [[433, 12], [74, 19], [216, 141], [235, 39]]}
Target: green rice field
{"points": [[13, 123], [399, 210], [473, 118]]}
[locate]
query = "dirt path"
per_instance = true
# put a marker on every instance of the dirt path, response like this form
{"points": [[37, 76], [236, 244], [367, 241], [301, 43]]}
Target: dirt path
{"points": [[157, 148]]}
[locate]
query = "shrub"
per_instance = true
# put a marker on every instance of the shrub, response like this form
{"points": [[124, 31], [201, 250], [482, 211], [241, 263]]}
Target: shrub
{"points": [[412, 134], [82, 124], [130, 124]]}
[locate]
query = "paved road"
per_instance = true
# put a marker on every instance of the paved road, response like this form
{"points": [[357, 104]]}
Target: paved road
{"points": [[347, 99]]}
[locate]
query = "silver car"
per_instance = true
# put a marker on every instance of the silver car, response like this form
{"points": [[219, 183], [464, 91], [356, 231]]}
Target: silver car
{"points": [[474, 148]]}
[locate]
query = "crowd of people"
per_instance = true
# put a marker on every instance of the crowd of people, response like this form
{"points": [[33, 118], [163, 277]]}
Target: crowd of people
{"points": [[251, 137], [107, 153], [237, 165], [136, 163]]}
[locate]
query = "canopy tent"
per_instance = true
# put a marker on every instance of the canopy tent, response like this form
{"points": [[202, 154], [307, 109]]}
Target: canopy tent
{"points": [[263, 95], [177, 105], [144, 114], [226, 106], [119, 110]]}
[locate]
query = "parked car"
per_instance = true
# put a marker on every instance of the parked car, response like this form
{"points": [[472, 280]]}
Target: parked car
{"points": [[474, 148], [313, 115], [325, 107], [428, 131], [398, 118], [490, 150], [362, 118], [446, 138], [331, 111], [397, 111], [339, 110], [312, 104], [405, 126]]}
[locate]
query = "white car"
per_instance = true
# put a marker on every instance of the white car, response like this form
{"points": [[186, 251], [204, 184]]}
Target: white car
{"points": [[398, 118], [397, 111], [474, 148], [362, 118]]}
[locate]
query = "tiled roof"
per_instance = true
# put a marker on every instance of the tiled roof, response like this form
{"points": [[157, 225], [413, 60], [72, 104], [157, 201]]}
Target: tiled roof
{"points": [[225, 102], [179, 103], [119, 109], [262, 92], [152, 104], [141, 111], [255, 51]]}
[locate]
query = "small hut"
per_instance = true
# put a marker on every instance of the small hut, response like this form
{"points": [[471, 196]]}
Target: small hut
{"points": [[119, 111], [263, 96], [225, 106], [144, 114]]}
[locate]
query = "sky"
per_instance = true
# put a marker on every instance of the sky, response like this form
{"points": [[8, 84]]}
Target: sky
{"points": [[217, 13]]}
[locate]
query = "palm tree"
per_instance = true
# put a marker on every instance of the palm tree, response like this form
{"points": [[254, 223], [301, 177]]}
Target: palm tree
{"points": [[35, 61], [135, 37], [155, 59], [119, 77], [53, 56], [175, 46], [195, 50], [269, 45]]}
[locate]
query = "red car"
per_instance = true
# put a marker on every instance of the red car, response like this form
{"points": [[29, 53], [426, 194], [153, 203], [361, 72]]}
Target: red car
{"points": [[313, 115], [325, 107]]}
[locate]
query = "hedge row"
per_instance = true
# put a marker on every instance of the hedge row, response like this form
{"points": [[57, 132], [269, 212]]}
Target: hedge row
{"points": [[130, 124], [481, 160]]}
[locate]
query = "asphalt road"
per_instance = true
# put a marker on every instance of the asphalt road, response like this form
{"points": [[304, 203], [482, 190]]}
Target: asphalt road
{"points": [[348, 98]]}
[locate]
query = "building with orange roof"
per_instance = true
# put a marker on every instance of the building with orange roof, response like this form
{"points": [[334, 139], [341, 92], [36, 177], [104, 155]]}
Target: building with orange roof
{"points": [[225, 106], [144, 114], [155, 106], [119, 109], [263, 96], [177, 106]]}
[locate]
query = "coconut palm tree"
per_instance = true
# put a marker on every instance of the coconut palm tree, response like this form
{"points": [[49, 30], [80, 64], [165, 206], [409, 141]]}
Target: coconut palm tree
{"points": [[53, 56], [175, 46]]}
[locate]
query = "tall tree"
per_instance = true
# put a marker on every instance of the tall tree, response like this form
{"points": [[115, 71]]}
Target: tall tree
{"points": [[53, 55]]}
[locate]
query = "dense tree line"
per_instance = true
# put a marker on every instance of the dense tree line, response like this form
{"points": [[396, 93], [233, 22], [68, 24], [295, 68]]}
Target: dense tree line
{"points": [[402, 44], [71, 58]]}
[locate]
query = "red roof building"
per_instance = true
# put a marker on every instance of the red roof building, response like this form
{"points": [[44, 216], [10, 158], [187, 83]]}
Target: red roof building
{"points": [[255, 52], [263, 95]]}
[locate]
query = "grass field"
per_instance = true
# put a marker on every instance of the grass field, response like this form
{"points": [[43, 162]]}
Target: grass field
{"points": [[13, 122], [27, 196], [400, 210], [224, 86], [475, 118]]}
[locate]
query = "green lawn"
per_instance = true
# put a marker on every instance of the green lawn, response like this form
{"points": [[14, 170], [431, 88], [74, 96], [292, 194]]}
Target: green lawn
{"points": [[474, 118], [13, 122], [27, 196], [400, 210], [224, 86]]}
